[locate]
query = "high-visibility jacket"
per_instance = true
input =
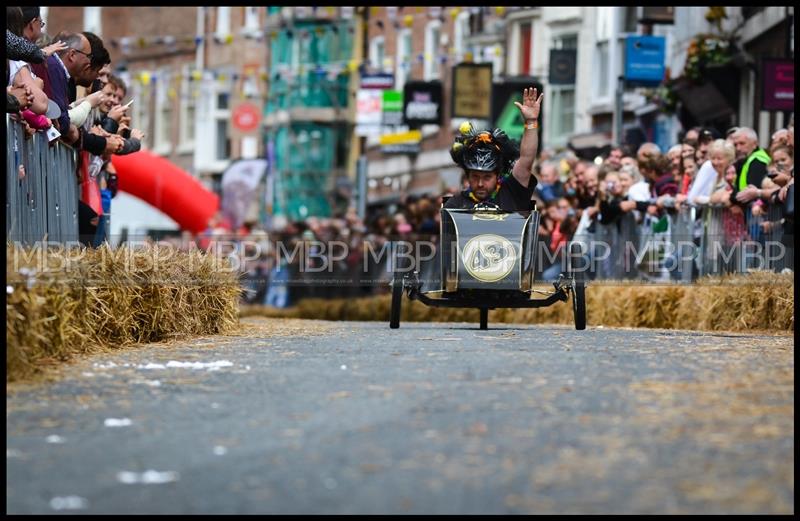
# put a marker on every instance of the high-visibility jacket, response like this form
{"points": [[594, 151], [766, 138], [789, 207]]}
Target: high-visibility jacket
{"points": [[757, 155]]}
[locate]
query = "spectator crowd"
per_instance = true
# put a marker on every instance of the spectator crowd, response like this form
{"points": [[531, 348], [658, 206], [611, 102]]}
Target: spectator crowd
{"points": [[43, 80], [732, 174], [64, 88]]}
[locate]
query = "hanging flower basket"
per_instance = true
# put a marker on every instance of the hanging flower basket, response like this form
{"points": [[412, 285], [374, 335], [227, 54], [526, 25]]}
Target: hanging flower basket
{"points": [[707, 51]]}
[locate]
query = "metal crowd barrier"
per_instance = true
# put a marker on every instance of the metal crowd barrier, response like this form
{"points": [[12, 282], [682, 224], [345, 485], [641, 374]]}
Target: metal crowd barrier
{"points": [[684, 244], [679, 246], [41, 188]]}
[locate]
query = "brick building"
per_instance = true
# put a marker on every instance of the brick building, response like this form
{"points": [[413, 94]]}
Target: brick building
{"points": [[185, 68]]}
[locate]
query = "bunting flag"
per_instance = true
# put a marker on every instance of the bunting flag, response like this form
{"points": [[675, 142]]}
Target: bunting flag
{"points": [[396, 15], [243, 80]]}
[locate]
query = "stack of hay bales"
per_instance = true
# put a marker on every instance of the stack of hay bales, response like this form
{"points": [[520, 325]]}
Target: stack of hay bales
{"points": [[61, 302], [757, 301]]}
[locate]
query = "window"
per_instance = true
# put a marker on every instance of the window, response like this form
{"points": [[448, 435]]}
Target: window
{"points": [[141, 108], [92, 20], [563, 104], [404, 58], [460, 34], [475, 20], [603, 64], [223, 21], [432, 33], [494, 54], [188, 101], [223, 144], [630, 21], [222, 100], [566, 42], [164, 112], [251, 19], [562, 99], [377, 52], [222, 115]]}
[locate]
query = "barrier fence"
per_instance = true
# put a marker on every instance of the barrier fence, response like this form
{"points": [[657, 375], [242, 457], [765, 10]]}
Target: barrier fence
{"points": [[694, 241], [41, 188], [677, 247]]}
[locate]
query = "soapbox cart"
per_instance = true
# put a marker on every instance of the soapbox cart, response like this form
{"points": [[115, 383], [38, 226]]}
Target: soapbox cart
{"points": [[486, 261]]}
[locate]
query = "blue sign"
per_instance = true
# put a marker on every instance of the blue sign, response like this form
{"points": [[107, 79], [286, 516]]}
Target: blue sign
{"points": [[644, 59]]}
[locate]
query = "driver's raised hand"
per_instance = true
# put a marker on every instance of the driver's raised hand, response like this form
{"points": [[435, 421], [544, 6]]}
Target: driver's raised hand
{"points": [[531, 104]]}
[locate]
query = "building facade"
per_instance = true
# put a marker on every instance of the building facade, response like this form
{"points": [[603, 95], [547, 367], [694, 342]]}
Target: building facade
{"points": [[186, 69], [759, 34]]}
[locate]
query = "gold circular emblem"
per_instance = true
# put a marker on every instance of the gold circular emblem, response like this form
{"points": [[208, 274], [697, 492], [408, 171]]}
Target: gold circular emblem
{"points": [[489, 257]]}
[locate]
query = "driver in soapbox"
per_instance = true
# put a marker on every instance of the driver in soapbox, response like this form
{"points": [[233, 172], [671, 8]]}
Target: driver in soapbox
{"points": [[498, 173]]}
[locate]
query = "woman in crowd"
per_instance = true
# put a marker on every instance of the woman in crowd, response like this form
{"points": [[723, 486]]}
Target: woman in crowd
{"points": [[687, 169], [781, 175], [711, 177]]}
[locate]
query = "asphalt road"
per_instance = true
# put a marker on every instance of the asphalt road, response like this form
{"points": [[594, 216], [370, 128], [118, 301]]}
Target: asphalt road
{"points": [[344, 417]]}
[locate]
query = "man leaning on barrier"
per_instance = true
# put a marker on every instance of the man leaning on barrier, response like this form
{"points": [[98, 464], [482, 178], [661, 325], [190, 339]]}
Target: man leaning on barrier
{"points": [[497, 172], [751, 167]]}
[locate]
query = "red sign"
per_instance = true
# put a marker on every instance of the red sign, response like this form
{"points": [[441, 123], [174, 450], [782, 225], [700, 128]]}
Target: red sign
{"points": [[246, 117], [778, 85]]}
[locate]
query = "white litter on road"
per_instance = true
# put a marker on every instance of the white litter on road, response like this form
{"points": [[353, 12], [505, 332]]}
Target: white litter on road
{"points": [[148, 477], [211, 366], [219, 450], [13, 453], [121, 422], [151, 366], [54, 438], [343, 368], [69, 503], [208, 366]]}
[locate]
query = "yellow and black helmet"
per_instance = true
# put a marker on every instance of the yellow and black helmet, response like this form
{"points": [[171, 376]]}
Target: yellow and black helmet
{"points": [[484, 151]]}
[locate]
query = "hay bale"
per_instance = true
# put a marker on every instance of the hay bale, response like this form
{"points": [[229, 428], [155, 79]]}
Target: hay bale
{"points": [[757, 301], [61, 303]]}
